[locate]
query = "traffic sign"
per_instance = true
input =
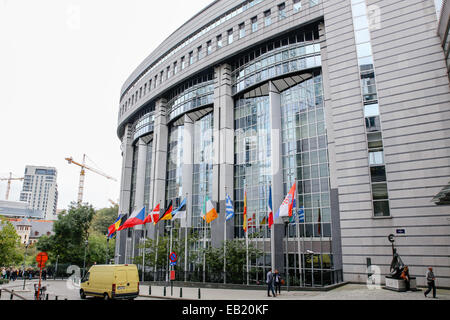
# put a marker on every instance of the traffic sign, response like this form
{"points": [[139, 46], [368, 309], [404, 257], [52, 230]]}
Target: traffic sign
{"points": [[42, 257], [174, 263], [173, 257]]}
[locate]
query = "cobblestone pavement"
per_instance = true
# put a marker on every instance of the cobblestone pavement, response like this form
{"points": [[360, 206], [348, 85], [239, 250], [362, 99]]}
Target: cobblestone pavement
{"points": [[62, 290]]}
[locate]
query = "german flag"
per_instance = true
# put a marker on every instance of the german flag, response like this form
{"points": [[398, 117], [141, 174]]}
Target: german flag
{"points": [[167, 215]]}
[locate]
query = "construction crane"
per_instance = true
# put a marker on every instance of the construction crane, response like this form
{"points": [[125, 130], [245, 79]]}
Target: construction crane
{"points": [[8, 188], [113, 202], [82, 173]]}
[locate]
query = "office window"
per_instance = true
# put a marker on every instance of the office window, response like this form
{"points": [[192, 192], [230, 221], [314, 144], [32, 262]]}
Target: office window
{"points": [[230, 36], [313, 3], [175, 68], [191, 57], [241, 30], [267, 18], [219, 41], [168, 73], [297, 6], [161, 77], [183, 63], [208, 47], [254, 24], [199, 53], [281, 11]]}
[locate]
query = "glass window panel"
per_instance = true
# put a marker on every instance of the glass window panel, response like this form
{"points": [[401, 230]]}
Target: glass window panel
{"points": [[359, 9], [381, 208], [364, 49], [378, 174], [362, 36], [379, 191], [371, 110]]}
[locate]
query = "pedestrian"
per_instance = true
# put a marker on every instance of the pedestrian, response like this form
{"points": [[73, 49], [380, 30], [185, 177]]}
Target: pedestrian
{"points": [[431, 282], [277, 281], [269, 282], [3, 273], [405, 276], [44, 274]]}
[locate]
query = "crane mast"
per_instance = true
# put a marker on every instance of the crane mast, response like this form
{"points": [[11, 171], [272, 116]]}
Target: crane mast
{"points": [[8, 187], [83, 173]]}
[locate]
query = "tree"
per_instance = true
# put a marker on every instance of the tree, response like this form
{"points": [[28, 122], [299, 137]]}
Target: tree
{"points": [[10, 253], [71, 231], [103, 218]]}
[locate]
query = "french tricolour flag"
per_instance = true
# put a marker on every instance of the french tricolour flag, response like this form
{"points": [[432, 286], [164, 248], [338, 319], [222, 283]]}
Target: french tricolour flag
{"points": [[136, 218]]}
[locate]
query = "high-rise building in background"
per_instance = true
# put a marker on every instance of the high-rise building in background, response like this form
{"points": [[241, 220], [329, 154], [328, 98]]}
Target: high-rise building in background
{"points": [[350, 99], [40, 190]]}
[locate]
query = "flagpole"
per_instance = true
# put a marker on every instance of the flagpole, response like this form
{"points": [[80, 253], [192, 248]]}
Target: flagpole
{"points": [[157, 243], [186, 241], [298, 234], [246, 244], [225, 240], [204, 247]]}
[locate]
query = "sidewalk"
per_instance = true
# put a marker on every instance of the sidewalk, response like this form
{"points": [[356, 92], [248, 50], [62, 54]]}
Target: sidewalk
{"points": [[347, 292]]}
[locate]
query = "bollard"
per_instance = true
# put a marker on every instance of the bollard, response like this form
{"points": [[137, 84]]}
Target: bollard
{"points": [[56, 297], [149, 290], [46, 296], [199, 294], [0, 293], [164, 291], [12, 295], [181, 292], [171, 288]]}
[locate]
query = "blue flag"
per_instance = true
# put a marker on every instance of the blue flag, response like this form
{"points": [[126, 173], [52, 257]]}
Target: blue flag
{"points": [[301, 214], [229, 208]]}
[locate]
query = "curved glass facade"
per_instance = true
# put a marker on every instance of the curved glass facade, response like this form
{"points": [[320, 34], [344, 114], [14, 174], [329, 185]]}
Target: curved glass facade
{"points": [[297, 51], [203, 166], [195, 97], [252, 159], [144, 125], [174, 180], [148, 176]]}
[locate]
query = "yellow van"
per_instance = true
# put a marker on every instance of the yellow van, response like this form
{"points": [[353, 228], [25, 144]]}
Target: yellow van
{"points": [[115, 281]]}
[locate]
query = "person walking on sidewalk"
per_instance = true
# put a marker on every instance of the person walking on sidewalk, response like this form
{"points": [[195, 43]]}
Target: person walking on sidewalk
{"points": [[431, 282], [277, 280], [269, 282]]}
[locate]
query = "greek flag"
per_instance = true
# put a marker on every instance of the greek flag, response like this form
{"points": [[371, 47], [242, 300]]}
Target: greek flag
{"points": [[301, 214], [229, 208]]}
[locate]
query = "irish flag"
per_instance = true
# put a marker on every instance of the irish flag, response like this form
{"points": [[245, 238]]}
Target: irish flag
{"points": [[211, 213]]}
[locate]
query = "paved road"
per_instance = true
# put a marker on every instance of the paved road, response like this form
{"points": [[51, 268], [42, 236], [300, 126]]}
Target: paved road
{"points": [[65, 290]]}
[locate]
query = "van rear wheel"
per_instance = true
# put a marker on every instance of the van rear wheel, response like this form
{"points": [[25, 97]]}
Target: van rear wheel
{"points": [[82, 294], [105, 296]]}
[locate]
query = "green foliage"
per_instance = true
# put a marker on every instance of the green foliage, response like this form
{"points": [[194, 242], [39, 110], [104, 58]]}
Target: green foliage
{"points": [[103, 218], [9, 245], [71, 231]]}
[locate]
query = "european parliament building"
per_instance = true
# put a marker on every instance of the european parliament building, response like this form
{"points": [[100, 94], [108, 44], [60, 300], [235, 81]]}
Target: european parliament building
{"points": [[349, 99]]}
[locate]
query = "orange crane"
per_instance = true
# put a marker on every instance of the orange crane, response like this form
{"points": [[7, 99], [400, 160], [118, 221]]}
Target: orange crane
{"points": [[8, 188], [82, 173]]}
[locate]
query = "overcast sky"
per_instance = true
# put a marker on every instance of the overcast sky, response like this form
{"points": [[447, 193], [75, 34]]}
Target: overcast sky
{"points": [[62, 64]]}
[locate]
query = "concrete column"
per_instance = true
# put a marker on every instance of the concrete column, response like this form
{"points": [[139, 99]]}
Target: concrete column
{"points": [[188, 167], [159, 162], [277, 234], [223, 166], [125, 191]]}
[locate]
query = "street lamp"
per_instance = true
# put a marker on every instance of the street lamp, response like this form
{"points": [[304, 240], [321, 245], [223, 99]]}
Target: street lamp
{"points": [[312, 265], [24, 261], [86, 242]]}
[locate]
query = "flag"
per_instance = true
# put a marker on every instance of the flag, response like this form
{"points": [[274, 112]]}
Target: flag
{"points": [[285, 209], [211, 213], [180, 212], [115, 226], [292, 218], [270, 208], [229, 210], [252, 221], [167, 215], [245, 211], [263, 221], [301, 214], [153, 216], [136, 218]]}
